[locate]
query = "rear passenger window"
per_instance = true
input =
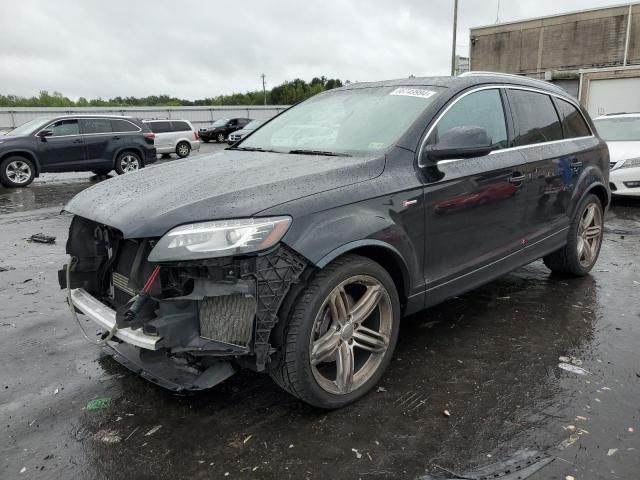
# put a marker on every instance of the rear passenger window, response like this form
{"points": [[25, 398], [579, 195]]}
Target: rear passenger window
{"points": [[535, 118], [160, 127], [123, 126], [573, 123], [96, 125], [181, 127], [64, 127], [480, 109]]}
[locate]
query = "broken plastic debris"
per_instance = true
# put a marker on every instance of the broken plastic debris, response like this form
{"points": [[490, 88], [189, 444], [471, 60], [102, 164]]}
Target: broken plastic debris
{"points": [[108, 436], [23, 469], [99, 403], [580, 417], [381, 389], [42, 238], [358, 454], [569, 477], [630, 430], [447, 413], [247, 439], [153, 430], [567, 442], [612, 451], [572, 368], [56, 391]]}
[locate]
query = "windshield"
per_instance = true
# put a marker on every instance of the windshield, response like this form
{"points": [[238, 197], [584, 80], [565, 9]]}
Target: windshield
{"points": [[253, 124], [357, 121], [220, 123], [619, 129], [27, 128]]}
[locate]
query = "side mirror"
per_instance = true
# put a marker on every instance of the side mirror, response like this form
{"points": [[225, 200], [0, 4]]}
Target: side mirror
{"points": [[45, 133], [459, 142]]}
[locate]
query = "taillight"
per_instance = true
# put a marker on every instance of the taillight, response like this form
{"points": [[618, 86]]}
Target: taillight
{"points": [[195, 135], [149, 135]]}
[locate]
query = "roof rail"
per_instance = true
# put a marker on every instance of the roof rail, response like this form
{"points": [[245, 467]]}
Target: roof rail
{"points": [[622, 113], [500, 74]]}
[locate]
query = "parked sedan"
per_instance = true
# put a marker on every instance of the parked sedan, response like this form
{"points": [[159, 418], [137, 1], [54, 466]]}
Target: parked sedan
{"points": [[74, 143], [221, 129], [246, 130], [622, 134], [299, 250]]}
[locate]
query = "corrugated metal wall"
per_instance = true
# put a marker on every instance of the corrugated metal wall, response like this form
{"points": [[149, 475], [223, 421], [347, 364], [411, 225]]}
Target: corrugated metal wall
{"points": [[11, 117]]}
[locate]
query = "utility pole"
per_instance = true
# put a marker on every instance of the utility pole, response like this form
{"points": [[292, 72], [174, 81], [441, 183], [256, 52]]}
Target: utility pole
{"points": [[264, 88], [453, 46]]}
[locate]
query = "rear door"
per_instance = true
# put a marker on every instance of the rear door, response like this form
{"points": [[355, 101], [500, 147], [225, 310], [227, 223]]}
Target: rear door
{"points": [[552, 150], [65, 149], [164, 134], [98, 136], [474, 208]]}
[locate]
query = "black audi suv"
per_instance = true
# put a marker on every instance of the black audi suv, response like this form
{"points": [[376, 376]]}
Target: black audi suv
{"points": [[298, 251], [74, 143]]}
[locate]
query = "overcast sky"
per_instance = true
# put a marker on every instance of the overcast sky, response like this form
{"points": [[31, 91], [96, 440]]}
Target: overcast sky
{"points": [[98, 48]]}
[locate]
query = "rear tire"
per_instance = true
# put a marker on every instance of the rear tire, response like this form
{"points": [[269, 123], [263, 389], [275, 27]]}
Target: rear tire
{"points": [[329, 357], [128, 162], [581, 252], [183, 149], [17, 171]]}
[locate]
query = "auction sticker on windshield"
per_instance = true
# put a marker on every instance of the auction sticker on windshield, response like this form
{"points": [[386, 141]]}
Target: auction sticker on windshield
{"points": [[413, 92]]}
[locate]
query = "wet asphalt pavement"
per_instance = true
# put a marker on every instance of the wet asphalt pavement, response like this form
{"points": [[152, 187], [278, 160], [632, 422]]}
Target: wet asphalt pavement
{"points": [[490, 358]]}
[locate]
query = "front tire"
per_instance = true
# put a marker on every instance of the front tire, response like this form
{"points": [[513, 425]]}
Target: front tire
{"points": [[341, 334], [128, 162], [16, 172], [183, 149], [581, 252]]}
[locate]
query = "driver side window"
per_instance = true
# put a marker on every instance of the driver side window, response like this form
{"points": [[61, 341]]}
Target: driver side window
{"points": [[479, 109], [64, 127]]}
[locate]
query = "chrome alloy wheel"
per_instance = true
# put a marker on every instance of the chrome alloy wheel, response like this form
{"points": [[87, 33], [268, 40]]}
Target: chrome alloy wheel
{"points": [[18, 172], [350, 334], [129, 163], [589, 235]]}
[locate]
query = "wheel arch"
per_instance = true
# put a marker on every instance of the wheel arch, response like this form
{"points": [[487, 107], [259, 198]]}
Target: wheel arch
{"points": [[128, 148], [23, 153], [380, 252]]}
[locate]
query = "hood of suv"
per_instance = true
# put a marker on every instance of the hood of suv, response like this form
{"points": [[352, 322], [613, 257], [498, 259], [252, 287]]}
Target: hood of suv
{"points": [[232, 184]]}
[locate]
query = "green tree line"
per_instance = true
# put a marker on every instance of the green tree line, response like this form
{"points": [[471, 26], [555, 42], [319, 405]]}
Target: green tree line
{"points": [[285, 94]]}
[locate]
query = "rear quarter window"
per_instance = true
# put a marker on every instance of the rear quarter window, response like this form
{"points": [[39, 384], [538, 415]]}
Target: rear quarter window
{"points": [[573, 123], [96, 125], [181, 127], [123, 126], [535, 117]]}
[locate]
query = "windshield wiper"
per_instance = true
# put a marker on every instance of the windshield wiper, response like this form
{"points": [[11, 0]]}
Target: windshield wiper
{"points": [[319, 152], [252, 149]]}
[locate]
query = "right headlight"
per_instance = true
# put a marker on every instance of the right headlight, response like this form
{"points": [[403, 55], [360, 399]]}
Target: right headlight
{"points": [[221, 238], [631, 162]]}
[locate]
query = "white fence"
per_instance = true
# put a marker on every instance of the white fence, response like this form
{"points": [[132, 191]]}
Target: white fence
{"points": [[11, 117]]}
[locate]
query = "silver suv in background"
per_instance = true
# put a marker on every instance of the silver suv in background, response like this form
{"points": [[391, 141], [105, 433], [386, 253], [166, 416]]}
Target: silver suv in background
{"points": [[174, 136]]}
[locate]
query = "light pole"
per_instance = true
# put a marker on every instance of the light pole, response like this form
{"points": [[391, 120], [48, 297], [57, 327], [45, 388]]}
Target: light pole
{"points": [[264, 88], [455, 29]]}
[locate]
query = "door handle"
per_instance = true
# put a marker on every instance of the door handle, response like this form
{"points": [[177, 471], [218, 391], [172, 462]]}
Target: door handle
{"points": [[517, 178], [116, 137], [77, 141], [575, 164]]}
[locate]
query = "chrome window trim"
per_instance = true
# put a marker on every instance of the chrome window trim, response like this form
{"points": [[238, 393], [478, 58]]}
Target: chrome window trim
{"points": [[77, 119], [521, 147]]}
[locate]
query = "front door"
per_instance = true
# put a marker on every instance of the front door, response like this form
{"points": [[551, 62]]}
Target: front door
{"points": [[64, 149], [474, 208]]}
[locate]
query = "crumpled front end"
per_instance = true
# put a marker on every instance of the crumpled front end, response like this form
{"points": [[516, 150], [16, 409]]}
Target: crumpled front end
{"points": [[201, 319]]}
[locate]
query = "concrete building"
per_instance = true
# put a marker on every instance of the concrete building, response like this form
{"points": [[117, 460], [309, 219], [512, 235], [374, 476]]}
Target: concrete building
{"points": [[462, 64], [603, 43]]}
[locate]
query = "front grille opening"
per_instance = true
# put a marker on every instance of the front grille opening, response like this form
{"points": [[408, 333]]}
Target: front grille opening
{"points": [[227, 318]]}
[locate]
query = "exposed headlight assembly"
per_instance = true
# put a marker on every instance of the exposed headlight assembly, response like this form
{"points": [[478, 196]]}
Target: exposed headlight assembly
{"points": [[221, 238], [631, 162]]}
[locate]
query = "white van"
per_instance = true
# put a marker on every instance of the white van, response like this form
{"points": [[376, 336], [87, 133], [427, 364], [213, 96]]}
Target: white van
{"points": [[174, 136]]}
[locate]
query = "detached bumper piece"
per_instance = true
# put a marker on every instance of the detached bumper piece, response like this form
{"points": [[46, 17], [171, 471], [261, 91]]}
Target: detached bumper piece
{"points": [[172, 373]]}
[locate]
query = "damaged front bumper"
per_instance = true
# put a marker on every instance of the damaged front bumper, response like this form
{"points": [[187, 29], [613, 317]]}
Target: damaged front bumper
{"points": [[190, 338]]}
